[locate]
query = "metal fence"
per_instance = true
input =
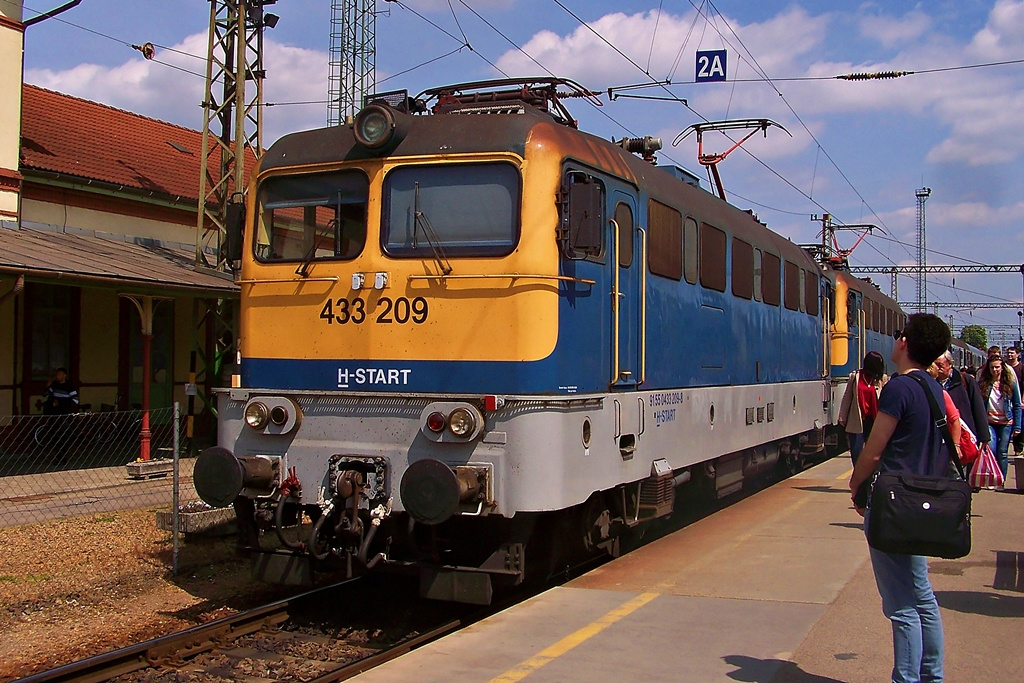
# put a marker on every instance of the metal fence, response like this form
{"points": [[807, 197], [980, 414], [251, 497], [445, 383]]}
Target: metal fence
{"points": [[54, 466], [59, 466]]}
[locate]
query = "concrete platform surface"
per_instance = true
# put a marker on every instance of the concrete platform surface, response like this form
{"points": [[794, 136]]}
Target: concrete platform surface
{"points": [[776, 588]]}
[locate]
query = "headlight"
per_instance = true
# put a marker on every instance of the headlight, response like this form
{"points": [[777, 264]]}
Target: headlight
{"points": [[278, 415], [256, 415], [461, 422], [374, 126]]}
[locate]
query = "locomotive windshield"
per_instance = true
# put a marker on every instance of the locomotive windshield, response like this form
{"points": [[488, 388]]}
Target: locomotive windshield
{"points": [[306, 218], [464, 209]]}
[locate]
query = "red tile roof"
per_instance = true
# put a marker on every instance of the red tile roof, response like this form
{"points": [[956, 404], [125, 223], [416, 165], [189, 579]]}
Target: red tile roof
{"points": [[88, 140]]}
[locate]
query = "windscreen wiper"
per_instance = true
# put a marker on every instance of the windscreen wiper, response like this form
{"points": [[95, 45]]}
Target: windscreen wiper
{"points": [[307, 258], [420, 220]]}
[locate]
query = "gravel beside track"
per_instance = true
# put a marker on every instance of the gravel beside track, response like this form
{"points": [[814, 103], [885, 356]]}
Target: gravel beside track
{"points": [[81, 586]]}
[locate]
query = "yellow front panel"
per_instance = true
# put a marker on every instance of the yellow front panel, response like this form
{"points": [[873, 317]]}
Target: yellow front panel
{"points": [[471, 315]]}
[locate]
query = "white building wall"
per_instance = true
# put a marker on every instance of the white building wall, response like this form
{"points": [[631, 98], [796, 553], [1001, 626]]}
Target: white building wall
{"points": [[11, 46]]}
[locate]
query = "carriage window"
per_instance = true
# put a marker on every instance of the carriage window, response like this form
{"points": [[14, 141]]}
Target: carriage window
{"points": [[312, 217], [852, 317], [742, 269], [624, 219], [457, 209], [771, 266], [665, 254], [888, 322], [811, 293], [582, 222], [757, 275], [690, 251], [875, 310], [712, 257], [792, 284]]}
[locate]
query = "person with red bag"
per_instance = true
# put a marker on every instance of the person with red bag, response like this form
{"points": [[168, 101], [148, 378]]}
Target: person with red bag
{"points": [[999, 388], [963, 388]]}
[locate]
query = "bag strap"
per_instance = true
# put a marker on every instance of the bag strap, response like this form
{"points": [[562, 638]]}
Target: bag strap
{"points": [[940, 423]]}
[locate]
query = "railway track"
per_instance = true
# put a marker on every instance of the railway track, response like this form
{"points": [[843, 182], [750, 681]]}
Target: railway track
{"points": [[258, 645], [269, 644]]}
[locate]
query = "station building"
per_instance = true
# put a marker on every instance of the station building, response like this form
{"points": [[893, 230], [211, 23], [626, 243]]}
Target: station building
{"points": [[98, 216]]}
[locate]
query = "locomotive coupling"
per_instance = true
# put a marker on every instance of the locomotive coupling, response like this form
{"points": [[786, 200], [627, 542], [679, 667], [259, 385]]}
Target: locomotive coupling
{"points": [[219, 475]]}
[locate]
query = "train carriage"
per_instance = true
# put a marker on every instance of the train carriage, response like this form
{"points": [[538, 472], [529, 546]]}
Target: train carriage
{"points": [[470, 331]]}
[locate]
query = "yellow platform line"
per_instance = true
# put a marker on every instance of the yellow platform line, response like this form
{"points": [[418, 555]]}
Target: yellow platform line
{"points": [[524, 669], [847, 475]]}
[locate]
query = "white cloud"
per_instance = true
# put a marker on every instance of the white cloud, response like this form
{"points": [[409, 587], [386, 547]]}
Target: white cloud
{"points": [[172, 87], [892, 32], [1003, 35]]}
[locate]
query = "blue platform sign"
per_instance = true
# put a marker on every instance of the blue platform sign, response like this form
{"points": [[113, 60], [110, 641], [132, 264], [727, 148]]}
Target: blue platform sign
{"points": [[710, 66]]}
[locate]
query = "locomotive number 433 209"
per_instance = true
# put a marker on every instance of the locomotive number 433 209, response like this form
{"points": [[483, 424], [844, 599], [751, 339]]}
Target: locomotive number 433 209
{"points": [[388, 311]]}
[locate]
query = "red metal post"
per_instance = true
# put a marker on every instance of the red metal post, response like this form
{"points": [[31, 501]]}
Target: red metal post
{"points": [[145, 435]]}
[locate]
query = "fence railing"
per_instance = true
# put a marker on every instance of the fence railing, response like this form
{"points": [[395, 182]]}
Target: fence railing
{"points": [[54, 466]]}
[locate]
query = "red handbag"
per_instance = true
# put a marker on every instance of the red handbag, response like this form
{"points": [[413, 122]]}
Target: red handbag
{"points": [[986, 472], [968, 444]]}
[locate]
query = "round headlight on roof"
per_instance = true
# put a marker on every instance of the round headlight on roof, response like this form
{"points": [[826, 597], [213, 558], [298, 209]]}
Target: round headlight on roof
{"points": [[256, 415], [374, 126]]}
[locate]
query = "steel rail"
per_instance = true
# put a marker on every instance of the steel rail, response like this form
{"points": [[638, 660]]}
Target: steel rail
{"points": [[172, 648]]}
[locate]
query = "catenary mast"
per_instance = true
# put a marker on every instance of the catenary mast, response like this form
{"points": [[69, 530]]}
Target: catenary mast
{"points": [[353, 51]]}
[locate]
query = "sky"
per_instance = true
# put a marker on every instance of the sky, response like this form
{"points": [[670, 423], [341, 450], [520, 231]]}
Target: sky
{"points": [[855, 149]]}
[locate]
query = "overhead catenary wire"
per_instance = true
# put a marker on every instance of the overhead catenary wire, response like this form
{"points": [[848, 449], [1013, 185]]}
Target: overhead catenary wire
{"points": [[464, 42]]}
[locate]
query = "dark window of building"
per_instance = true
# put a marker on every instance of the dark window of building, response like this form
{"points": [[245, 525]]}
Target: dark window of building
{"points": [[742, 269], [665, 230], [712, 257], [51, 330]]}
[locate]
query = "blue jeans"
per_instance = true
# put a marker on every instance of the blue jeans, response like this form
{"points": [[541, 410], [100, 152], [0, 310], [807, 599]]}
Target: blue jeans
{"points": [[856, 445], [1000, 444], [910, 604]]}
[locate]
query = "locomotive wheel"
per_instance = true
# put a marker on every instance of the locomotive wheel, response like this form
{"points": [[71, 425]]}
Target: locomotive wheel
{"points": [[792, 461]]}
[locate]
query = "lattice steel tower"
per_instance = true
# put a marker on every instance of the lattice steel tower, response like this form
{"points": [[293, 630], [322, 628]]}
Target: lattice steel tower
{"points": [[232, 117], [922, 256], [353, 50]]}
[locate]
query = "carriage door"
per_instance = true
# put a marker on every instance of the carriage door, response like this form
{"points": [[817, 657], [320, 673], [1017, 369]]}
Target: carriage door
{"points": [[627, 262], [856, 320]]}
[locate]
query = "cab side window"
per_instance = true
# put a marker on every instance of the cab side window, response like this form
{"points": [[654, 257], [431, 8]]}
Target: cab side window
{"points": [[582, 225]]}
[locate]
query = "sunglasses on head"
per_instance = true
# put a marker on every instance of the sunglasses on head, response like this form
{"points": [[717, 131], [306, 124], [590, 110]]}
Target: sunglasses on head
{"points": [[897, 334]]}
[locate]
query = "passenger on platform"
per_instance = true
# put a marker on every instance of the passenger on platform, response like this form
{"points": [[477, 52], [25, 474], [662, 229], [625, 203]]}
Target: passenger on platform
{"points": [[966, 395], [860, 401], [952, 412], [61, 397], [1002, 394], [1015, 363], [904, 439]]}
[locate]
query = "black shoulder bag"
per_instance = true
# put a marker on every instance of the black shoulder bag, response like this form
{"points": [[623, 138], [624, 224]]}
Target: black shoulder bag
{"points": [[912, 514]]}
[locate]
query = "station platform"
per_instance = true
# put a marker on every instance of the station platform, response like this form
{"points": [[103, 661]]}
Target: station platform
{"points": [[775, 588]]}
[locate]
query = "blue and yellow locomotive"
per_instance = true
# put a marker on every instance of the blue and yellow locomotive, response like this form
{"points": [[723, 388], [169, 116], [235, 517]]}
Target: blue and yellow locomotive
{"points": [[471, 330]]}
